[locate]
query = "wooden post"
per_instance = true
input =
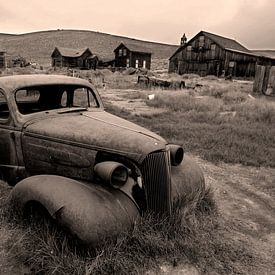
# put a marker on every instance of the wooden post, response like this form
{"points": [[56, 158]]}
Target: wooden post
{"points": [[259, 79]]}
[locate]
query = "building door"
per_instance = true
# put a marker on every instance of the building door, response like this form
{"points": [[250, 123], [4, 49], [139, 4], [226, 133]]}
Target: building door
{"points": [[127, 62], [144, 64], [136, 63]]}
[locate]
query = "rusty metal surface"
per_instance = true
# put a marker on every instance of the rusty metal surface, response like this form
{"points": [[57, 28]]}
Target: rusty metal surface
{"points": [[55, 154], [97, 131], [87, 210], [11, 83]]}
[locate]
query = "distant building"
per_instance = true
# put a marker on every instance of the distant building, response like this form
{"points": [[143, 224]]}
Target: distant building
{"points": [[2, 59], [106, 60], [207, 53], [74, 58], [131, 55]]}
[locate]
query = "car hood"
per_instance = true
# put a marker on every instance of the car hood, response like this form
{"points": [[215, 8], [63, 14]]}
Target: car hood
{"points": [[98, 130]]}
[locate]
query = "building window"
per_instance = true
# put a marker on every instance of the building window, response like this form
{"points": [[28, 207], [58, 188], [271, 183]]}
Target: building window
{"points": [[127, 62], [124, 52], [201, 41], [120, 52], [213, 50], [189, 50], [136, 63], [144, 64]]}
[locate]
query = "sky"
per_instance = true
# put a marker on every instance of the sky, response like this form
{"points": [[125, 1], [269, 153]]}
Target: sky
{"points": [[250, 22]]}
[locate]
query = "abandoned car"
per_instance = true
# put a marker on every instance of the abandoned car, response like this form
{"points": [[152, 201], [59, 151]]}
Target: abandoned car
{"points": [[94, 173]]}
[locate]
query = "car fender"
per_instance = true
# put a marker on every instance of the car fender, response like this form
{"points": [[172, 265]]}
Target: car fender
{"points": [[90, 211], [188, 181]]}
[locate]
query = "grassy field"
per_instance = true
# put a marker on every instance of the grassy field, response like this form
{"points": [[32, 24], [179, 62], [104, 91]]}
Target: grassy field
{"points": [[218, 120], [38, 46], [230, 231]]}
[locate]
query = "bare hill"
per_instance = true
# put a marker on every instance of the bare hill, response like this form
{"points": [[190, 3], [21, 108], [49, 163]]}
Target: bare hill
{"points": [[38, 46]]}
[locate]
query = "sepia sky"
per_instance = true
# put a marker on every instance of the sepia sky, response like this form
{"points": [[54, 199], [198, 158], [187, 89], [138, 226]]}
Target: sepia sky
{"points": [[248, 21]]}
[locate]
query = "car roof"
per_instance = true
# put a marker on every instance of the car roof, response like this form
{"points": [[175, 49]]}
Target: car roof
{"points": [[15, 82]]}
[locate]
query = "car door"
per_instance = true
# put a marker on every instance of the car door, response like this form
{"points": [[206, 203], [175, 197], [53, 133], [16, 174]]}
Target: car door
{"points": [[8, 155]]}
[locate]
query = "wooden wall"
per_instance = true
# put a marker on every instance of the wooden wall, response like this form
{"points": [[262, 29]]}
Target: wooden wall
{"points": [[71, 62], [122, 54], [203, 56]]}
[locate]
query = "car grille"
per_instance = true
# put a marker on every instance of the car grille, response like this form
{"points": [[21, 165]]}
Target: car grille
{"points": [[157, 181]]}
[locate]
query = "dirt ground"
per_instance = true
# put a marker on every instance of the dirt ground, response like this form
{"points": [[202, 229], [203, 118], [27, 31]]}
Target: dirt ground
{"points": [[245, 197]]}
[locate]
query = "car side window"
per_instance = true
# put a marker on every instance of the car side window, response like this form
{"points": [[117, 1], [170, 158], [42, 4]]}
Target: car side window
{"points": [[27, 100], [4, 109]]}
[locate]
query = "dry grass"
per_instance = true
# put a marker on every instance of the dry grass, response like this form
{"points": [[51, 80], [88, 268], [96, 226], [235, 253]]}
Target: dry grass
{"points": [[220, 124], [195, 236]]}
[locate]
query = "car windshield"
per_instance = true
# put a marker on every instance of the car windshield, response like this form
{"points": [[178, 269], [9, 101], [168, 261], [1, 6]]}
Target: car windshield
{"points": [[67, 98]]}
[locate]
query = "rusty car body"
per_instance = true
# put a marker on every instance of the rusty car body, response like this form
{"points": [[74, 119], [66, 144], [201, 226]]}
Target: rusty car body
{"points": [[95, 173]]}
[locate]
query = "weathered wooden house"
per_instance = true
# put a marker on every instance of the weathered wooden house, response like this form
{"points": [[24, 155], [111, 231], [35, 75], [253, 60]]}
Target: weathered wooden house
{"points": [[207, 53], [74, 58], [2, 59], [264, 82], [131, 55]]}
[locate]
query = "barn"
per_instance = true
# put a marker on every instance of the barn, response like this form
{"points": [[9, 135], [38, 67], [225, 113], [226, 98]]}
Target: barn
{"points": [[74, 58], [2, 59], [210, 54], [131, 55]]}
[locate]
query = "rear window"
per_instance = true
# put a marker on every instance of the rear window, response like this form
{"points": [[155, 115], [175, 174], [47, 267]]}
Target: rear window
{"points": [[44, 98]]}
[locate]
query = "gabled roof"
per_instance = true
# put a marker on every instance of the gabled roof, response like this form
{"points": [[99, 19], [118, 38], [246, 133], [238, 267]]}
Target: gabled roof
{"points": [[133, 47], [105, 57], [224, 42], [68, 52]]}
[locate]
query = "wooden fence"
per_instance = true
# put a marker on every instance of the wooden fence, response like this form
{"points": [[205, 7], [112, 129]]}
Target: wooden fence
{"points": [[264, 82]]}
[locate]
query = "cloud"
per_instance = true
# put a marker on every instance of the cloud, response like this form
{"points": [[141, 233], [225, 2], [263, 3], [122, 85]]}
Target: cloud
{"points": [[253, 25]]}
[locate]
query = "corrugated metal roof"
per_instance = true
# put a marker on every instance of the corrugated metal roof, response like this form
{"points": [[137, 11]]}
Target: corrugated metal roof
{"points": [[68, 52]]}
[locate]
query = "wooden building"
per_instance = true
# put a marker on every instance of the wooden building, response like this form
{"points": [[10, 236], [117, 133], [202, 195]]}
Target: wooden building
{"points": [[131, 55], [264, 82], [3, 64], [211, 54], [74, 58]]}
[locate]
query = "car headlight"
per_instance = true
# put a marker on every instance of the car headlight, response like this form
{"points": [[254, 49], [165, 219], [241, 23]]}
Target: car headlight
{"points": [[176, 154], [111, 172]]}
